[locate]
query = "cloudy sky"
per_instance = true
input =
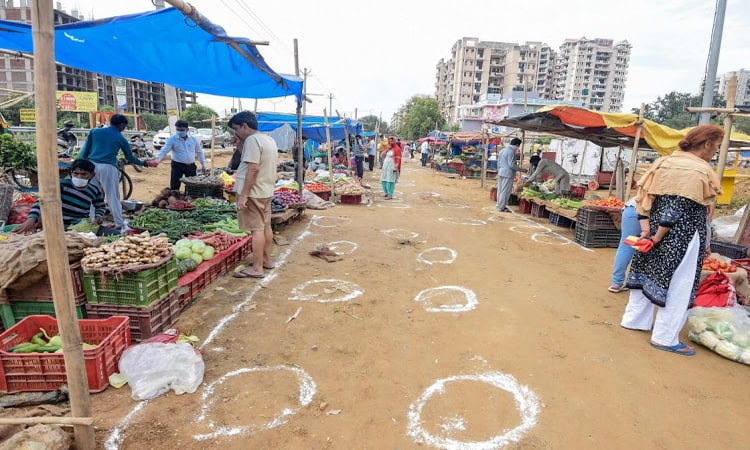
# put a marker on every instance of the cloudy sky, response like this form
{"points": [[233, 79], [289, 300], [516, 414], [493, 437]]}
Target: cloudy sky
{"points": [[373, 56]]}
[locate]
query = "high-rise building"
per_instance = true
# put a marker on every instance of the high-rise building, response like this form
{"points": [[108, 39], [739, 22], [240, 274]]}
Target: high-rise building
{"points": [[585, 72], [17, 72], [742, 95]]}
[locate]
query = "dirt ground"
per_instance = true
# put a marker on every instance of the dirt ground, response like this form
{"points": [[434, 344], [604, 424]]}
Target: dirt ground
{"points": [[446, 325]]}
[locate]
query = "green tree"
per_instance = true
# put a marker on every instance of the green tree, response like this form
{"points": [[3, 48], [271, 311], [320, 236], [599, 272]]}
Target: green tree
{"points": [[370, 122], [670, 109], [12, 114], [154, 122], [418, 117], [199, 116]]}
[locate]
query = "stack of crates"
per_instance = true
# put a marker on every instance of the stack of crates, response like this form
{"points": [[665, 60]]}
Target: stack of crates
{"points": [[148, 297], [37, 299], [596, 229]]}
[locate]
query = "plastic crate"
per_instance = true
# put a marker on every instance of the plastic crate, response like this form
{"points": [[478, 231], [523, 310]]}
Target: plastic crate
{"points": [[26, 372], [204, 191], [594, 220], [538, 210], [597, 238], [513, 200], [524, 206], [16, 311], [143, 322], [351, 199], [731, 251], [42, 290], [132, 288], [560, 221]]}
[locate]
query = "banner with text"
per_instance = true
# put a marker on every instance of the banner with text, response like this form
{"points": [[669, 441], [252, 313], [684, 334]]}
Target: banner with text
{"points": [[77, 101]]}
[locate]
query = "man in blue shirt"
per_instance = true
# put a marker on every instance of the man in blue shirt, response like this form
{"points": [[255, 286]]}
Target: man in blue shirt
{"points": [[184, 148], [101, 147], [506, 172]]}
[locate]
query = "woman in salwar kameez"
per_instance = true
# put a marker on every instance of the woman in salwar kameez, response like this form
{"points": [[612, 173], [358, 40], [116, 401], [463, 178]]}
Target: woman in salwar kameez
{"points": [[675, 197], [391, 158]]}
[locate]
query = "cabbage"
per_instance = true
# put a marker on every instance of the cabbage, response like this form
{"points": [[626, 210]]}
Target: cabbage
{"points": [[196, 257], [208, 253], [183, 242], [198, 246], [182, 252]]}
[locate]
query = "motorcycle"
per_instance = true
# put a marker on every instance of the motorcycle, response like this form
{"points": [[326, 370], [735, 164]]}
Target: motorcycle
{"points": [[139, 149], [66, 140]]}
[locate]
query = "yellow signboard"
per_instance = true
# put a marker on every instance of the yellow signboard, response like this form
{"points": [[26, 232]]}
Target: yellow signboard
{"points": [[171, 112], [77, 101], [27, 114]]}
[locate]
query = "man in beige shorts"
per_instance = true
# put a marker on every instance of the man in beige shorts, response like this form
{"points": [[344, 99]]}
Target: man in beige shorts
{"points": [[256, 179]]}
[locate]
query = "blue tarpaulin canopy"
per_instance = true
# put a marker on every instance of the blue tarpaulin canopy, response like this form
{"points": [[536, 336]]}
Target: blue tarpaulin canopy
{"points": [[313, 127], [162, 46]]}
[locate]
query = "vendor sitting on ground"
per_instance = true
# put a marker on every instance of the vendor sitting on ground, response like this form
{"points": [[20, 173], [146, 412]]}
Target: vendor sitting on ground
{"points": [[78, 194], [561, 176], [319, 160]]}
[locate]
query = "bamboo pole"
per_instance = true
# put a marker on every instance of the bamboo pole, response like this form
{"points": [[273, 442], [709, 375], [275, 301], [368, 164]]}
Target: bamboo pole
{"points": [[64, 421], [731, 92], [484, 160], [328, 150], [631, 174], [618, 161], [45, 84], [300, 105], [583, 161], [213, 142], [346, 139]]}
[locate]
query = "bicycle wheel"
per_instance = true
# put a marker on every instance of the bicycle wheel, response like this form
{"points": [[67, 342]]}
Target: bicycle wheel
{"points": [[26, 180], [127, 185]]}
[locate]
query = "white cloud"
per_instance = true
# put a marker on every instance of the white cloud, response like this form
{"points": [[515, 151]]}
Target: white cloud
{"points": [[375, 56]]}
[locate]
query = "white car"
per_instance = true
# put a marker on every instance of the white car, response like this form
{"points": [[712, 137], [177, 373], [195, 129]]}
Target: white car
{"points": [[160, 138], [204, 134]]}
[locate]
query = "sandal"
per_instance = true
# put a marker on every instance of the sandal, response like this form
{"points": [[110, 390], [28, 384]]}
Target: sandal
{"points": [[617, 289], [680, 349], [246, 274]]}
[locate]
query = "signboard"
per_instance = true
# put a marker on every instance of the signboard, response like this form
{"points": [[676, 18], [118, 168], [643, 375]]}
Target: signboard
{"points": [[121, 89], [172, 112], [27, 114], [76, 101]]}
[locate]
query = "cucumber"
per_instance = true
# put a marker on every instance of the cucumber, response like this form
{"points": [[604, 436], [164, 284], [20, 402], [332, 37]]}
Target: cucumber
{"points": [[48, 348]]}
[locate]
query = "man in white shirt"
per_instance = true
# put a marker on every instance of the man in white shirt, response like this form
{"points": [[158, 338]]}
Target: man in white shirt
{"points": [[371, 150], [184, 149], [425, 153], [256, 179]]}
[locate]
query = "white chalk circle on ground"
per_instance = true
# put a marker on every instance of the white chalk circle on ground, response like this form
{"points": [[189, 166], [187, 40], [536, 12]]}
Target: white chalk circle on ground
{"points": [[307, 388], [462, 221], [550, 238], [529, 229], [493, 210], [392, 205], [330, 291], [452, 205], [342, 247], [424, 257], [426, 194], [430, 299], [321, 221], [399, 233], [525, 399]]}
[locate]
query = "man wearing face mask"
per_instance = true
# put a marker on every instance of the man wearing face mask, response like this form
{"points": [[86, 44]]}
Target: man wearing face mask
{"points": [[78, 195], [184, 149]]}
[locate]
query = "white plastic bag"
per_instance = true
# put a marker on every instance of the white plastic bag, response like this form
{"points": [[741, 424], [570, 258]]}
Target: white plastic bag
{"points": [[152, 369]]}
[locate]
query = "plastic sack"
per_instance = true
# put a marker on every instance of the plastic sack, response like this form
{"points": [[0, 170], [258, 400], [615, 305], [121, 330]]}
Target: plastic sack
{"points": [[152, 369], [726, 331], [312, 201]]}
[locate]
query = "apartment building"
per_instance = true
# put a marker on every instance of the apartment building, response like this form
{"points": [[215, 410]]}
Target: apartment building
{"points": [[17, 72], [742, 95], [591, 73]]}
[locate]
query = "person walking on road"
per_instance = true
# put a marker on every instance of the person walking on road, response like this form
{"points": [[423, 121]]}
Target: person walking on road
{"points": [[256, 178], [391, 158], [101, 147], [506, 172], [371, 151], [184, 150], [425, 153]]}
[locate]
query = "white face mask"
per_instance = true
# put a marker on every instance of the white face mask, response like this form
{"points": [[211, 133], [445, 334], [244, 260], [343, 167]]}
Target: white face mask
{"points": [[79, 182]]}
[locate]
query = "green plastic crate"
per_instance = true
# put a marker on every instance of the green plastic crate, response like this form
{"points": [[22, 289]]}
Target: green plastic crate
{"points": [[15, 311], [132, 288]]}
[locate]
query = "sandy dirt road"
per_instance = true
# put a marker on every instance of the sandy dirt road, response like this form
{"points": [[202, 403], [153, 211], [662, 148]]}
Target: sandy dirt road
{"points": [[446, 325]]}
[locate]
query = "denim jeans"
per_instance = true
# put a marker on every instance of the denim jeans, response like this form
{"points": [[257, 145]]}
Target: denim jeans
{"points": [[630, 227]]}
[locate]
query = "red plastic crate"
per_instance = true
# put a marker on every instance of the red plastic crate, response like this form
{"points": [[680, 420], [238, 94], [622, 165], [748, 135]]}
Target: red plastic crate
{"points": [[351, 199], [144, 321], [538, 210], [42, 290], [524, 206], [26, 372]]}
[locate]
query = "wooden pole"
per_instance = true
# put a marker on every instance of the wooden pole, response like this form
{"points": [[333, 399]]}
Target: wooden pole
{"points": [[300, 111], [614, 170], [64, 421], [583, 161], [484, 160], [328, 149], [731, 92], [45, 84], [631, 174], [213, 142], [346, 139]]}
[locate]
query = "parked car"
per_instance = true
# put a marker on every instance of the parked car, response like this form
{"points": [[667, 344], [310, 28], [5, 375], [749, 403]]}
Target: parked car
{"points": [[204, 134], [161, 137]]}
